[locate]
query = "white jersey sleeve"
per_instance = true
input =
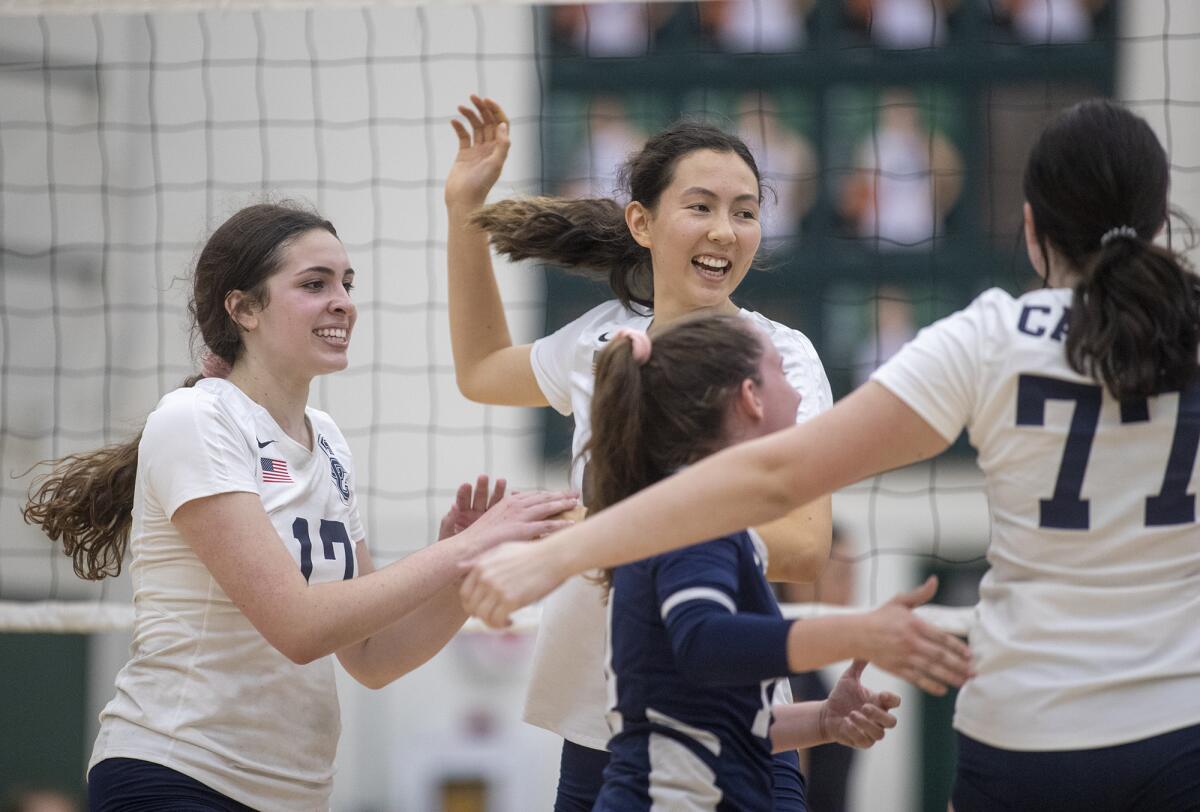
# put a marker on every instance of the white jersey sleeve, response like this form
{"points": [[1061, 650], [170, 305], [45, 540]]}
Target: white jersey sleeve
{"points": [[192, 449], [938, 373]]}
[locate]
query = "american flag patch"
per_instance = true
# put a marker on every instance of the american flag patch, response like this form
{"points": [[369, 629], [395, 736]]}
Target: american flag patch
{"points": [[274, 470]]}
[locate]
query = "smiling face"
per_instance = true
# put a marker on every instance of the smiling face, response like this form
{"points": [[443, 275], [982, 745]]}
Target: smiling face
{"points": [[305, 328], [702, 233]]}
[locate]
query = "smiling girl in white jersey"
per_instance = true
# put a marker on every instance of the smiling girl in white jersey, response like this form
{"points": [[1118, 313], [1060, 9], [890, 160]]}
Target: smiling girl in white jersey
{"points": [[681, 246], [1083, 402], [249, 559]]}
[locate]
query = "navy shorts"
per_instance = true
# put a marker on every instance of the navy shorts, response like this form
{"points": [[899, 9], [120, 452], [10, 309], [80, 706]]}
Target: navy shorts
{"points": [[581, 774], [1159, 774], [132, 785]]}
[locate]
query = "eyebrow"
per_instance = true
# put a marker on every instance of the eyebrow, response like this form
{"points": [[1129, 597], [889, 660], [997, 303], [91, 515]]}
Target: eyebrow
{"points": [[321, 269], [700, 190]]}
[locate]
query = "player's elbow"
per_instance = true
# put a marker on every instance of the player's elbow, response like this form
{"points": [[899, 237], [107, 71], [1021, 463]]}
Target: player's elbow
{"points": [[470, 386]]}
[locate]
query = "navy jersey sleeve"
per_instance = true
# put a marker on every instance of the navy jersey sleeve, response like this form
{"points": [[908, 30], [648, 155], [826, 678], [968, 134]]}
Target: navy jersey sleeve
{"points": [[714, 645]]}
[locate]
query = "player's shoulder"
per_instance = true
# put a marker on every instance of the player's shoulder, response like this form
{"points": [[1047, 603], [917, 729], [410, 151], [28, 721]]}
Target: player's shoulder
{"points": [[790, 342], [211, 400], [613, 315]]}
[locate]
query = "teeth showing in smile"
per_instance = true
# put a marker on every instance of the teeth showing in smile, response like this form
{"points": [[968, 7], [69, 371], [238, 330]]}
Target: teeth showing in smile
{"points": [[713, 267], [335, 334]]}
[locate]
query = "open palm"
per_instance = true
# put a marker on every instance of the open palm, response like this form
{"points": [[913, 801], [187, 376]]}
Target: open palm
{"points": [[481, 152]]}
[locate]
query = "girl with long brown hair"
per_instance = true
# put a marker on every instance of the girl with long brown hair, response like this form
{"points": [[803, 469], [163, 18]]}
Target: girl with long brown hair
{"points": [[680, 247], [249, 559]]}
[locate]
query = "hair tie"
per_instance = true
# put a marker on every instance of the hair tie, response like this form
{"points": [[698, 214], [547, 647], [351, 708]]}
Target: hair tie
{"points": [[1118, 231], [640, 343], [214, 366]]}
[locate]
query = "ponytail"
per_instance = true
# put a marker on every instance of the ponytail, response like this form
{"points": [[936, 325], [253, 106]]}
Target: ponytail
{"points": [[654, 416], [1135, 320], [587, 236], [87, 501]]}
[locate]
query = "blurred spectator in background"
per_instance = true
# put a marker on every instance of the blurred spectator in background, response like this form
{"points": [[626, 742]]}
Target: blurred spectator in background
{"points": [[892, 326], [39, 800], [901, 23], [1045, 21], [787, 161], [906, 178], [826, 768], [609, 29], [755, 26], [609, 139]]}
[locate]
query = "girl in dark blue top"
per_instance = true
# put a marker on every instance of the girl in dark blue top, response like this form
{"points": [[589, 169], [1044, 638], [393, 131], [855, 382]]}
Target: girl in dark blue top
{"points": [[696, 638]]}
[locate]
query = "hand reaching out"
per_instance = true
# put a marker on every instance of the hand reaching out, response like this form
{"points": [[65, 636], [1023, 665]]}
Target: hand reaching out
{"points": [[481, 153], [470, 506], [902, 644], [855, 716]]}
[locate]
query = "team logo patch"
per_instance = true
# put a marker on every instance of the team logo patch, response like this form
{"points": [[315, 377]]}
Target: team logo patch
{"points": [[341, 478]]}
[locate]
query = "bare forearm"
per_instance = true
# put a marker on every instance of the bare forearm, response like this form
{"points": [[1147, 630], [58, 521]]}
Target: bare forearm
{"points": [[345, 612], [478, 326], [408, 643], [797, 726], [752, 483]]}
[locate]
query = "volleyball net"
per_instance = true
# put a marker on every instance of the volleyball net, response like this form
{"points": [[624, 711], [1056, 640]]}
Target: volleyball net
{"points": [[892, 143]]}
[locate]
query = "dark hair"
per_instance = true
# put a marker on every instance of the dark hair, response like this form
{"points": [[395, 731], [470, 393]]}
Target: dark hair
{"points": [[589, 235], [87, 499], [1097, 182], [650, 419]]}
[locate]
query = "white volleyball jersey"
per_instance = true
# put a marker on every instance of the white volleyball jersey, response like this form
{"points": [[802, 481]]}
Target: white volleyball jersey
{"points": [[1086, 631], [567, 693], [203, 692]]}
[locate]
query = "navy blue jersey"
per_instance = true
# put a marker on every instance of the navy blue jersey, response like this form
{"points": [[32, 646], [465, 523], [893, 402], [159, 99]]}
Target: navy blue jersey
{"points": [[696, 642]]}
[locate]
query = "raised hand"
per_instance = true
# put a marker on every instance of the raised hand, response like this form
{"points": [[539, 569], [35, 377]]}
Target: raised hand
{"points": [[902, 644], [470, 506], [855, 716], [481, 153], [523, 516]]}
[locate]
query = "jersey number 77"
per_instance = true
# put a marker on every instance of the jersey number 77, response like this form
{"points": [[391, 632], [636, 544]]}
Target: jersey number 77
{"points": [[1065, 510]]}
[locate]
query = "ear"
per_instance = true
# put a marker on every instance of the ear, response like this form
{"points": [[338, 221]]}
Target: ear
{"points": [[748, 401], [637, 218], [1036, 259], [238, 308]]}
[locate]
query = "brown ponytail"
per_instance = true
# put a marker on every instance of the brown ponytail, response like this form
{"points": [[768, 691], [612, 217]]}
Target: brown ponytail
{"points": [[86, 500], [1135, 320], [1097, 182], [651, 419], [589, 236]]}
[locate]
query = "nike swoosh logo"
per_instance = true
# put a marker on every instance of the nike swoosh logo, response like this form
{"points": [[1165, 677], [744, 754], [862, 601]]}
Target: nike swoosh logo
{"points": [[604, 336], [262, 444]]}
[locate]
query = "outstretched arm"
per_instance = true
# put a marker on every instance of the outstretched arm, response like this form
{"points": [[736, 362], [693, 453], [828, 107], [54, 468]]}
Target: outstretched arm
{"points": [[488, 367], [233, 537], [747, 485]]}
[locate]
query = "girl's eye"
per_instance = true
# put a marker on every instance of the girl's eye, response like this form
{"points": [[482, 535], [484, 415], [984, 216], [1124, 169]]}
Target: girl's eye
{"points": [[747, 215], [349, 286], [698, 207], [315, 284]]}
